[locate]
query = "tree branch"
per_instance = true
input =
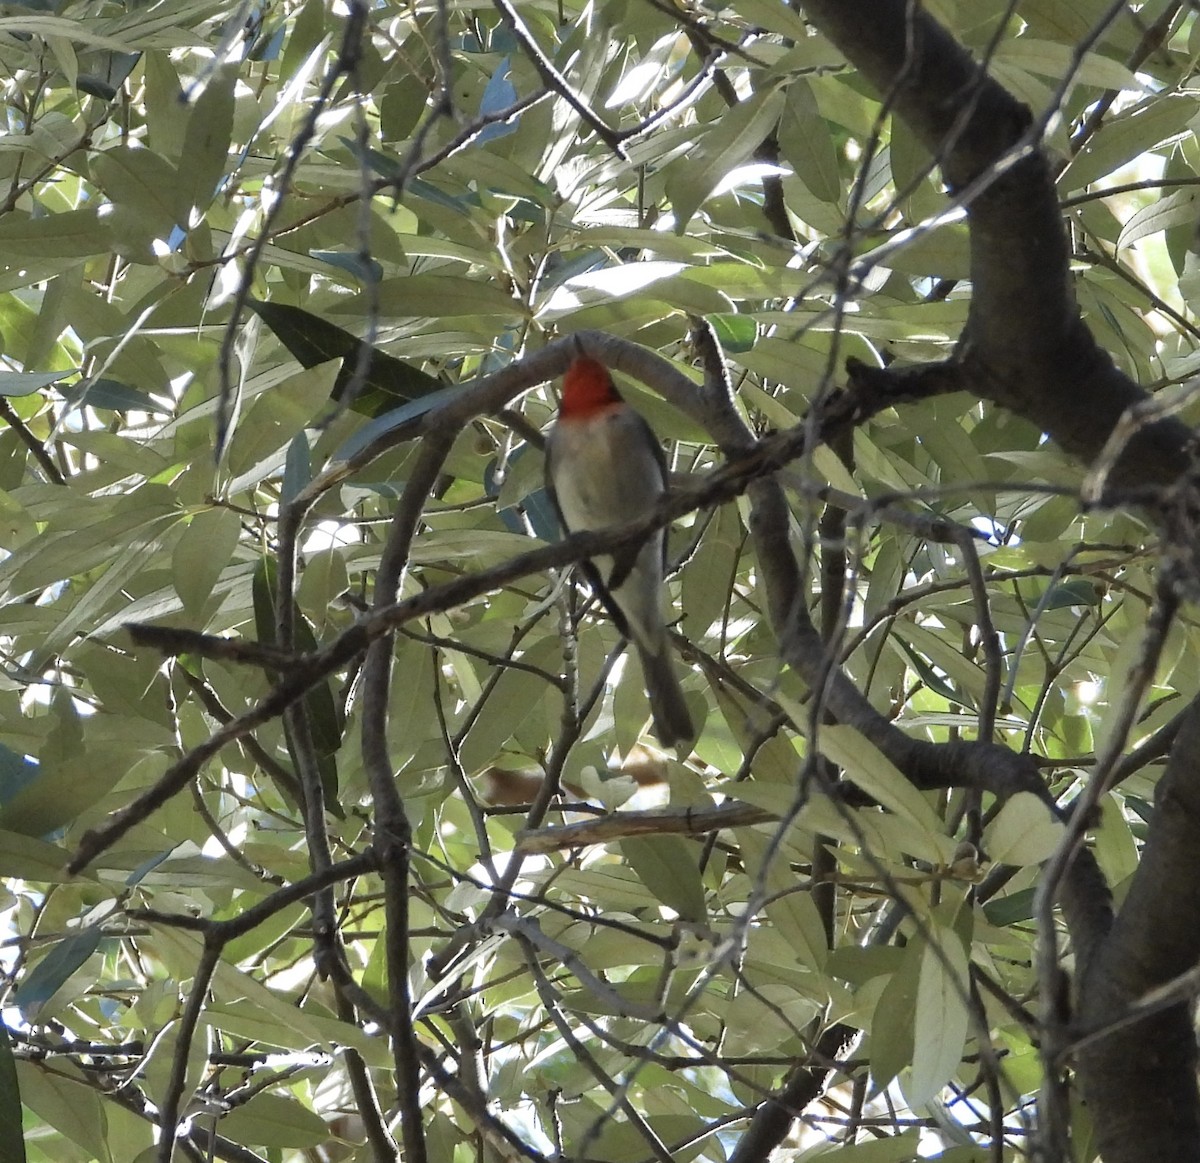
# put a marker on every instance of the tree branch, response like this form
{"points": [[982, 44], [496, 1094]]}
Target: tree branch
{"points": [[1026, 346], [393, 833]]}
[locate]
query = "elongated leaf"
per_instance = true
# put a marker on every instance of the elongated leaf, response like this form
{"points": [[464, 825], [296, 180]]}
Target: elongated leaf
{"points": [[941, 1018], [118, 397], [230, 984], [891, 1045], [206, 144], [68, 1105], [1172, 210], [16, 772], [275, 1120], [365, 272], [1011, 909], [736, 332], [324, 722], [667, 866], [741, 131], [1023, 833], [297, 470], [71, 234], [1117, 141], [807, 144], [28, 858], [26, 383], [55, 969], [312, 341], [202, 553], [142, 181], [794, 914], [444, 296], [390, 420], [866, 765]]}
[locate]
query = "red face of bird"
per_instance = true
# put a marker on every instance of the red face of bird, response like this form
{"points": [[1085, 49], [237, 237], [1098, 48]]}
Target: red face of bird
{"points": [[587, 389]]}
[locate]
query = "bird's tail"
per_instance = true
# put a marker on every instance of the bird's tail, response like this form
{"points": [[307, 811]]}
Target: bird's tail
{"points": [[672, 719]]}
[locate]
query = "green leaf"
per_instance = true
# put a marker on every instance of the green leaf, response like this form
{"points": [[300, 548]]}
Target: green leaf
{"points": [[1056, 61], [1011, 909], [274, 1120], [27, 858], [351, 262], [231, 985], [943, 251], [902, 1148], [313, 340], [68, 1105], [201, 553], [70, 234], [961, 671], [324, 721], [1173, 210], [721, 150], [58, 26], [1113, 842], [443, 296], [390, 420], [167, 113], [867, 766], [118, 397], [206, 143], [891, 1042], [1075, 591], [16, 384], [307, 32], [1120, 139], [704, 585], [1023, 832], [792, 912], [667, 866], [806, 143], [297, 470], [737, 333], [769, 15], [16, 772], [141, 181], [54, 970], [63, 789], [941, 1019], [515, 697], [121, 565]]}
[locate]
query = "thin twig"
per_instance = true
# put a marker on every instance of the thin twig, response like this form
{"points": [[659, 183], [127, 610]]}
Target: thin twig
{"points": [[35, 446], [554, 80]]}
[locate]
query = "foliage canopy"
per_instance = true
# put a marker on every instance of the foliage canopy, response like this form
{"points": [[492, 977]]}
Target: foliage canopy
{"points": [[280, 293]]}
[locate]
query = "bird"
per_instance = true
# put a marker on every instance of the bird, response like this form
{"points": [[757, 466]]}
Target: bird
{"points": [[605, 468]]}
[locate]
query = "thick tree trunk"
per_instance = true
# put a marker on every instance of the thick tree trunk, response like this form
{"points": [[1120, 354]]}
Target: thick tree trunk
{"points": [[1139, 1081]]}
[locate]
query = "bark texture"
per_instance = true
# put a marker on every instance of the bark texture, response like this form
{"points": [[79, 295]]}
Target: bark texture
{"points": [[1140, 1079]]}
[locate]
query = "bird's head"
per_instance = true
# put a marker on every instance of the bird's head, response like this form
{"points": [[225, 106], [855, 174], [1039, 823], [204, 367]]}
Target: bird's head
{"points": [[587, 389]]}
